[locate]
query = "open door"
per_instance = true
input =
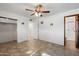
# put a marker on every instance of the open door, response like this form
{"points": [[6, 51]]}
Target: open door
{"points": [[71, 31]]}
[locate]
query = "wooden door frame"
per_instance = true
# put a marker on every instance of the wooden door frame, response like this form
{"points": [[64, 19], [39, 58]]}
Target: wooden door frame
{"points": [[65, 26]]}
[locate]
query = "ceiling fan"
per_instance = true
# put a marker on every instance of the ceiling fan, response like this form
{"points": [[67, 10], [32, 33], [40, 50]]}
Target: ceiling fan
{"points": [[39, 10]]}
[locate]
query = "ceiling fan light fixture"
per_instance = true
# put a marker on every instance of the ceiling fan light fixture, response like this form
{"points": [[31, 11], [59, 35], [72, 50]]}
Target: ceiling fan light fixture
{"points": [[38, 14], [38, 11]]}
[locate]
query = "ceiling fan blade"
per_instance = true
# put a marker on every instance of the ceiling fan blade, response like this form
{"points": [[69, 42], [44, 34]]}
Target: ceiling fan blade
{"points": [[45, 11], [28, 9], [32, 14]]}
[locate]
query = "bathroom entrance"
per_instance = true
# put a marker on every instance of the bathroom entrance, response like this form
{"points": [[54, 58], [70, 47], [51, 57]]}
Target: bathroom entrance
{"points": [[71, 31]]}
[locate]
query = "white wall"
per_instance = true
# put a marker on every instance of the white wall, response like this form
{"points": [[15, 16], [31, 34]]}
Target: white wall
{"points": [[55, 33], [22, 30]]}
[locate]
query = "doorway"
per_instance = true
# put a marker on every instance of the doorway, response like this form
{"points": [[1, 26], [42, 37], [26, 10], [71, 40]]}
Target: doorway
{"points": [[71, 32]]}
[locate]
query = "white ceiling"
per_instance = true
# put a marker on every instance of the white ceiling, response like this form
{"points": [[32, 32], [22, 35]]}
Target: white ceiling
{"points": [[54, 8]]}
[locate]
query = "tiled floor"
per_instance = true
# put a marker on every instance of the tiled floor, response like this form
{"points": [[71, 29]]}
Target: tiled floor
{"points": [[34, 47]]}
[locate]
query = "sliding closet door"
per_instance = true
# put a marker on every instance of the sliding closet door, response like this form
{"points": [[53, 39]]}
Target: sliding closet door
{"points": [[8, 32]]}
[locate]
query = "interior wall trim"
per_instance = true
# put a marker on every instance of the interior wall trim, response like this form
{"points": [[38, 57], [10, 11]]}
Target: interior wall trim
{"points": [[8, 18]]}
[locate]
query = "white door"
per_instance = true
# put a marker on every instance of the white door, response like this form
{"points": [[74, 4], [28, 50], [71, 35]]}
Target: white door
{"points": [[70, 28]]}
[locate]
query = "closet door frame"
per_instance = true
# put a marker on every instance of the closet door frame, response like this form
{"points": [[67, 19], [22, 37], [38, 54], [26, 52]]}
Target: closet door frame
{"points": [[76, 18]]}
